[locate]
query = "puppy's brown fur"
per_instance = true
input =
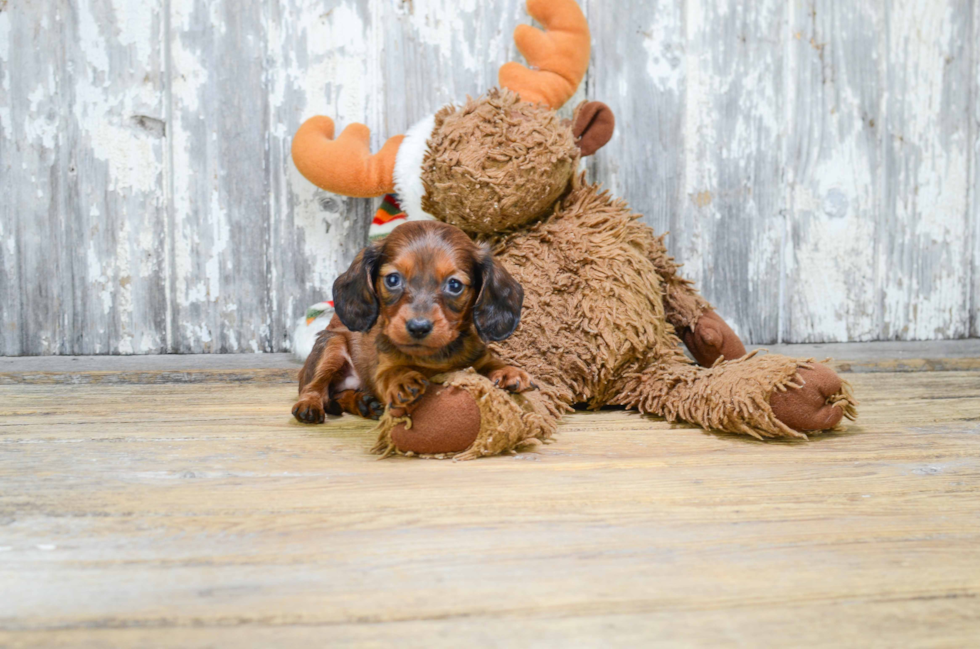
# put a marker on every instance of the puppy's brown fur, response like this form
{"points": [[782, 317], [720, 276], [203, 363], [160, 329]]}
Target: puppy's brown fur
{"points": [[426, 277]]}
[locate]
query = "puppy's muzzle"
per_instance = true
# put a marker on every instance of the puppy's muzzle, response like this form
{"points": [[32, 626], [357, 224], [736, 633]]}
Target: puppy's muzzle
{"points": [[418, 328]]}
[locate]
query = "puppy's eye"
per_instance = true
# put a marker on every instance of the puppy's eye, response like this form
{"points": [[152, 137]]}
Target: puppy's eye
{"points": [[393, 280], [454, 286]]}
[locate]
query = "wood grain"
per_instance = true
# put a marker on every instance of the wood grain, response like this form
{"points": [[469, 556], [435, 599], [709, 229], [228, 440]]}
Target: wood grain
{"points": [[814, 161], [846, 358], [638, 69], [82, 157], [834, 172], [179, 515], [926, 155], [220, 243], [974, 194]]}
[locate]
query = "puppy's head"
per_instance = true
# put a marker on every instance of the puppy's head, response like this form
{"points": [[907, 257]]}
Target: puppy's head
{"points": [[426, 284]]}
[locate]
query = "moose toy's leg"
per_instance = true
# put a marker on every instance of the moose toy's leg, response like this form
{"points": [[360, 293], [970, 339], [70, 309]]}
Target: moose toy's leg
{"points": [[710, 338], [464, 415], [706, 335], [820, 404], [759, 395]]}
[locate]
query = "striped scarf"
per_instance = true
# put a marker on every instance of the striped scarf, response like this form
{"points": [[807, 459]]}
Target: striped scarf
{"points": [[389, 216]]}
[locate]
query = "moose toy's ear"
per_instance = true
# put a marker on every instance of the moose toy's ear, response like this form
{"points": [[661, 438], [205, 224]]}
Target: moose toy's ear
{"points": [[354, 298], [593, 126], [497, 310]]}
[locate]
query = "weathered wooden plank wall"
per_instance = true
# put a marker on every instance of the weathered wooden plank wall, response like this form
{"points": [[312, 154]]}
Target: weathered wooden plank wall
{"points": [[975, 184], [814, 160], [82, 167]]}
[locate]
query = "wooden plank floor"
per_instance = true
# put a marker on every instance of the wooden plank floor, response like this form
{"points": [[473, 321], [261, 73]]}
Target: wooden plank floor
{"points": [[202, 515]]}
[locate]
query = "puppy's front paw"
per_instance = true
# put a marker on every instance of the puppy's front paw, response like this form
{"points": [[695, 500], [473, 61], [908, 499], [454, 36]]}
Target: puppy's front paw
{"points": [[405, 391], [511, 379], [369, 406], [309, 409]]}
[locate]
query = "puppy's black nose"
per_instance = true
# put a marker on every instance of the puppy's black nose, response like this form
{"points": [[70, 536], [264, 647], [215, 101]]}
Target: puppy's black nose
{"points": [[418, 328]]}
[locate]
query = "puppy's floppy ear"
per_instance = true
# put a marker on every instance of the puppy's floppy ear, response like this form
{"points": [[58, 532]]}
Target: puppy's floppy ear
{"points": [[354, 298], [497, 310]]}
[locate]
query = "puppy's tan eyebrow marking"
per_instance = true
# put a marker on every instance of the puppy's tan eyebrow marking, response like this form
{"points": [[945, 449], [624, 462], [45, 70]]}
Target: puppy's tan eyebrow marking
{"points": [[387, 269]]}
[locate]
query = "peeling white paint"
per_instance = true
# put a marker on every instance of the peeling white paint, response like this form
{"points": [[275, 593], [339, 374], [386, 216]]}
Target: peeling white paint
{"points": [[931, 185], [189, 77], [338, 61], [445, 25], [41, 127], [150, 259], [136, 27], [828, 143], [98, 277], [92, 41], [129, 158], [5, 99], [220, 234], [336, 83], [123, 288], [666, 52]]}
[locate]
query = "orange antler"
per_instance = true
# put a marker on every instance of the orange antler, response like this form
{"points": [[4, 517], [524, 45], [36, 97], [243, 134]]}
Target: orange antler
{"points": [[559, 56], [345, 165]]}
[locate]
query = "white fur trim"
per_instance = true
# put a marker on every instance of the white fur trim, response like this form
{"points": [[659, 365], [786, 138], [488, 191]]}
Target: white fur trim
{"points": [[408, 169], [378, 231], [304, 336]]}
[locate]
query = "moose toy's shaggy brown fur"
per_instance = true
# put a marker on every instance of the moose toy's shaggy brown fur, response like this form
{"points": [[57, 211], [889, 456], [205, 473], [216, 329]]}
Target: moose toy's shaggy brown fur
{"points": [[605, 310], [446, 418], [469, 169], [598, 323]]}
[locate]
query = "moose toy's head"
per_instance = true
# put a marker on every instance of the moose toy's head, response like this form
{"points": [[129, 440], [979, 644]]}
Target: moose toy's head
{"points": [[493, 164]]}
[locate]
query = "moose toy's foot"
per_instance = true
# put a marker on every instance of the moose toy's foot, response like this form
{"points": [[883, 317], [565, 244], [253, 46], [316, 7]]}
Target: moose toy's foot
{"points": [[712, 338], [464, 416], [445, 420], [819, 404], [762, 395]]}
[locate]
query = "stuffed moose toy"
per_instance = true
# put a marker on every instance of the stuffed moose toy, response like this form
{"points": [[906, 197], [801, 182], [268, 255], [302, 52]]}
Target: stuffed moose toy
{"points": [[605, 309]]}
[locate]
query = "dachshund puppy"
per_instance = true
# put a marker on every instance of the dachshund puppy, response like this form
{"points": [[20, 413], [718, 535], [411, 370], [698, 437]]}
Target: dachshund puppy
{"points": [[423, 301]]}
